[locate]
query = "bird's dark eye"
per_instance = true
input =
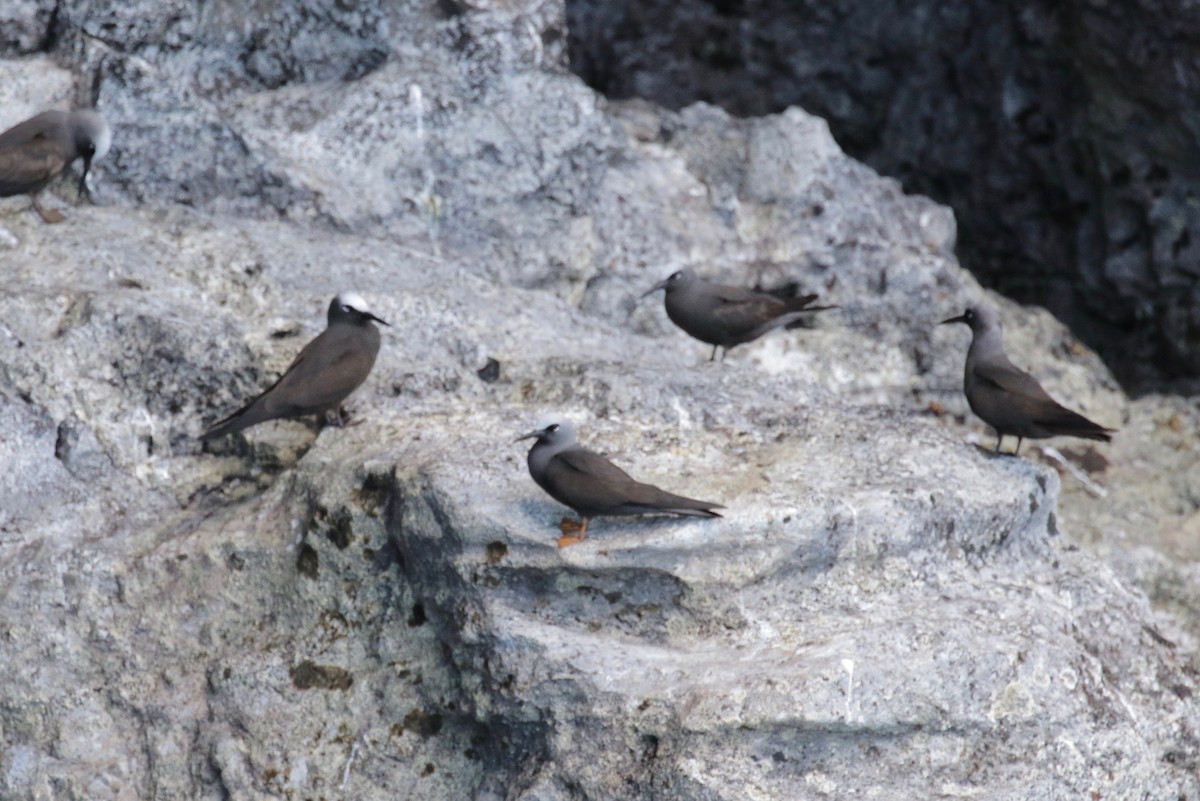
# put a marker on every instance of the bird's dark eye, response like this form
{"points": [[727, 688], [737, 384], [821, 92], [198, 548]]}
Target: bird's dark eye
{"points": [[89, 149], [969, 314], [676, 276], [552, 428]]}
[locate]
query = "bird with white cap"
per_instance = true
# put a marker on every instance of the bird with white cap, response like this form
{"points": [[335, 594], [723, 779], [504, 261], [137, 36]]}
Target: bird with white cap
{"points": [[35, 152], [594, 486], [330, 367]]}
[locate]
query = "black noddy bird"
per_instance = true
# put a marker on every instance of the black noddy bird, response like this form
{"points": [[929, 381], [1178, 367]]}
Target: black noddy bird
{"points": [[36, 151], [594, 486], [1006, 397], [327, 370], [724, 316]]}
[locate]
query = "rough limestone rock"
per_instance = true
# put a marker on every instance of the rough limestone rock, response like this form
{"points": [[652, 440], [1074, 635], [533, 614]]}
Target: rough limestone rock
{"points": [[378, 611], [1061, 132]]}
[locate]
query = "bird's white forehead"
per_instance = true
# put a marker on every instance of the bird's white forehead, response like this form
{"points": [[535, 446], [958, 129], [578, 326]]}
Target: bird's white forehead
{"points": [[103, 140], [547, 420], [96, 128], [353, 300], [986, 314]]}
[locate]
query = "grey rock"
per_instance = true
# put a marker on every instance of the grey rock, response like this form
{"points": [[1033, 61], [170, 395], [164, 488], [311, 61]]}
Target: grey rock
{"points": [[26, 26], [382, 614], [379, 614], [80, 452]]}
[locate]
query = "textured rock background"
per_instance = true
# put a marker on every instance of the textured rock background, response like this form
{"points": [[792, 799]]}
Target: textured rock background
{"points": [[379, 611], [1063, 134]]}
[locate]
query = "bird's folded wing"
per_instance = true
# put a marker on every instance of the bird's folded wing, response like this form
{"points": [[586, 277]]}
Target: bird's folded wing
{"points": [[262, 398], [585, 480], [737, 294], [1015, 381], [1034, 402], [312, 383], [30, 164], [1061, 419], [741, 310]]}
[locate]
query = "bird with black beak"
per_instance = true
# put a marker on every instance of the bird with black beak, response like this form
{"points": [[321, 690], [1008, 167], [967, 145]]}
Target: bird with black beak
{"points": [[724, 316], [1006, 397], [35, 152], [330, 367], [594, 486]]}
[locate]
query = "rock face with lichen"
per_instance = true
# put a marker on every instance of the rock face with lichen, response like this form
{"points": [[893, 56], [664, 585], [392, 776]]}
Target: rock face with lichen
{"points": [[378, 611]]}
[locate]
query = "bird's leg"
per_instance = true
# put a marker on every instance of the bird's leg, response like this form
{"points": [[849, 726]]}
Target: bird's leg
{"points": [[1017, 452], [337, 417], [999, 439], [347, 420], [579, 532], [713, 357], [724, 353], [49, 216]]}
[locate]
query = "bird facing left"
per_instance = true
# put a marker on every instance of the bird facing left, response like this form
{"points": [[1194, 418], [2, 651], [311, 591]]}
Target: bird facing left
{"points": [[726, 316], [592, 485]]}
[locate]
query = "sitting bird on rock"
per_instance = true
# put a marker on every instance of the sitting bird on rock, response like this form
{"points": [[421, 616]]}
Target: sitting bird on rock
{"points": [[36, 151], [1009, 399], [323, 375], [724, 316], [594, 486]]}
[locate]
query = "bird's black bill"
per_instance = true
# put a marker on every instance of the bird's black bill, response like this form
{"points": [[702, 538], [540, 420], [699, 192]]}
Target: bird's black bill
{"points": [[655, 288], [962, 318], [530, 435], [83, 190], [370, 316]]}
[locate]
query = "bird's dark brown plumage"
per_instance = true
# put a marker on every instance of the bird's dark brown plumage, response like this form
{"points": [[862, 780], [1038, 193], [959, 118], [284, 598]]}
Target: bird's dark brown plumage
{"points": [[594, 486], [326, 371], [726, 316], [36, 151], [1006, 397]]}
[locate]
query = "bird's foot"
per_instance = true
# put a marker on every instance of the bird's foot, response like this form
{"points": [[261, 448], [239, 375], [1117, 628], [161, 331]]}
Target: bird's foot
{"points": [[49, 216], [338, 418], [1000, 441], [573, 532]]}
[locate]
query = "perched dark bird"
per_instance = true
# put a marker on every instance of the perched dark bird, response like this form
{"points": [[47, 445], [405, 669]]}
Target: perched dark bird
{"points": [[327, 370], [594, 486], [1009, 399], [36, 151], [725, 316]]}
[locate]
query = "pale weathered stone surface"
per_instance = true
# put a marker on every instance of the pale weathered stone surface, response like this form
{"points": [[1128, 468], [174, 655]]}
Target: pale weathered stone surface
{"points": [[379, 611]]}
